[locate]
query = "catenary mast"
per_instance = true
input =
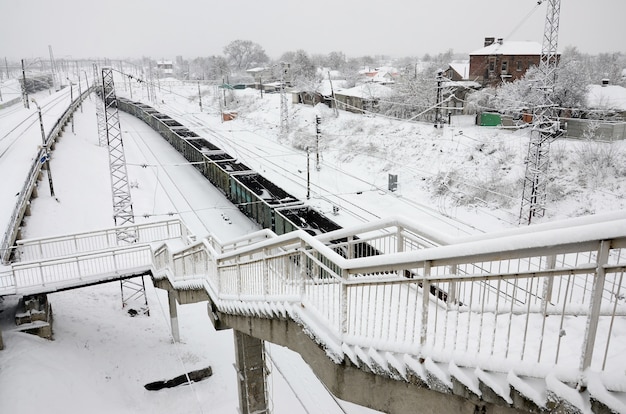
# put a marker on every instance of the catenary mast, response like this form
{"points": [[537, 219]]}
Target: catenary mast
{"points": [[545, 128]]}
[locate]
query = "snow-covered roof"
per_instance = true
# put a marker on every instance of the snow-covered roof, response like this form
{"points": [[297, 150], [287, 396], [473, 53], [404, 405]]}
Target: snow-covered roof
{"points": [[509, 47], [325, 88], [256, 70], [462, 68], [462, 84], [368, 90], [607, 97]]}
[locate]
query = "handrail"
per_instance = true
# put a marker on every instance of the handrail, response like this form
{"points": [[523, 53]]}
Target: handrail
{"points": [[500, 290], [56, 246], [10, 234]]}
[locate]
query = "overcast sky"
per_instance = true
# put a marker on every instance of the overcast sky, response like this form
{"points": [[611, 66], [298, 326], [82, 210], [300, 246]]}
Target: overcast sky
{"points": [[165, 29]]}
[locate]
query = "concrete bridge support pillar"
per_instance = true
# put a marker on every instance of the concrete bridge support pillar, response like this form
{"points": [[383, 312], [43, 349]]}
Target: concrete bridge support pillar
{"points": [[171, 298], [1, 343], [251, 374]]}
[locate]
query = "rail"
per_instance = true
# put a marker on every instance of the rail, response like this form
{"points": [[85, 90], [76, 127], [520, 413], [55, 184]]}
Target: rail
{"points": [[50, 247], [10, 234], [62, 262], [524, 301]]}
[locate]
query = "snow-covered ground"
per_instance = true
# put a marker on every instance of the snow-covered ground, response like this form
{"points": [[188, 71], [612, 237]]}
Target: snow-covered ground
{"points": [[461, 180]]}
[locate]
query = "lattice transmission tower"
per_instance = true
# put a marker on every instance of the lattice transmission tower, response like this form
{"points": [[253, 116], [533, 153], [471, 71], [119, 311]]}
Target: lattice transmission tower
{"points": [[102, 129], [545, 128], [132, 290]]}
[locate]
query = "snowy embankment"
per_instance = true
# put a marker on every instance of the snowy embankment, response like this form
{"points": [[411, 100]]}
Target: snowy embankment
{"points": [[465, 172]]}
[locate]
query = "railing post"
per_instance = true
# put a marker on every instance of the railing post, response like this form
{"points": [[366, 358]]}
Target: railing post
{"points": [[596, 302], [425, 302], [266, 274], [400, 240], [350, 247], [452, 292], [344, 303], [238, 277], [302, 272], [547, 296]]}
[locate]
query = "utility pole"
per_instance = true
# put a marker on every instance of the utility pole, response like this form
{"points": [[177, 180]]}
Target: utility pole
{"points": [[284, 111], [545, 129], [199, 96], [71, 102], [318, 133], [120, 189], [438, 121], [54, 70], [332, 92], [6, 66], [308, 173], [45, 159], [24, 90]]}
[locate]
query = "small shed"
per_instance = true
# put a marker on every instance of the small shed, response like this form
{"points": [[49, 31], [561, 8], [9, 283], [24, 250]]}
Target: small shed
{"points": [[362, 98]]}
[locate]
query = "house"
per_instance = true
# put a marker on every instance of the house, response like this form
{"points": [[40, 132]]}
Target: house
{"points": [[323, 93], [165, 68], [503, 61], [383, 75], [607, 106], [608, 98], [458, 71], [362, 98]]}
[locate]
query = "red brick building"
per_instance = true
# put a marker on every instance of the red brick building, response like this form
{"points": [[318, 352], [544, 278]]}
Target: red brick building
{"points": [[503, 61]]}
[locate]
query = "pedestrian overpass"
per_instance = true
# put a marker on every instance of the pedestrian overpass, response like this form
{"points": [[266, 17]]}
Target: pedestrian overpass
{"points": [[391, 314]]}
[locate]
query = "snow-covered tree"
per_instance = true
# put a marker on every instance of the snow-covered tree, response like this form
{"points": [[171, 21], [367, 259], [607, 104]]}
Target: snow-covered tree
{"points": [[244, 54], [302, 72]]}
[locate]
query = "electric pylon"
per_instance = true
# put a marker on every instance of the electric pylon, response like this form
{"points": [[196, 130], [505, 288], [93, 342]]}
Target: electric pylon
{"points": [[132, 290], [544, 129], [102, 129]]}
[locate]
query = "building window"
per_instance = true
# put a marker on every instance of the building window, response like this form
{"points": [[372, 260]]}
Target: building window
{"points": [[492, 65], [520, 66], [505, 66]]}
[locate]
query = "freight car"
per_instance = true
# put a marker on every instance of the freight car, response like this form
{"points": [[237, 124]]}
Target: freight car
{"points": [[261, 200]]}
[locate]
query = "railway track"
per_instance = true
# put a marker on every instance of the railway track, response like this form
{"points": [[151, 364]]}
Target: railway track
{"points": [[250, 153]]}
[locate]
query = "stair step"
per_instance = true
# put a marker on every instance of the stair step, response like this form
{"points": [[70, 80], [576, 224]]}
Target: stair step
{"points": [[494, 387]]}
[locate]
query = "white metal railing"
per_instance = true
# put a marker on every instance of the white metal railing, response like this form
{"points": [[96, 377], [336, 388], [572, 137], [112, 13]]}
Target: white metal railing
{"points": [[80, 269], [57, 246], [78, 259], [524, 300]]}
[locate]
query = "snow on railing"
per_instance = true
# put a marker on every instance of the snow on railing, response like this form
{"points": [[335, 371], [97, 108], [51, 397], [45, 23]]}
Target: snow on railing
{"points": [[49, 247], [525, 301], [81, 269]]}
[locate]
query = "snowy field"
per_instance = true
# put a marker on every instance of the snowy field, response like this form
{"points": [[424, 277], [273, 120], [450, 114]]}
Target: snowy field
{"points": [[461, 180]]}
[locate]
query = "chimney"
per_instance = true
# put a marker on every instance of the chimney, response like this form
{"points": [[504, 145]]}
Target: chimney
{"points": [[500, 40], [489, 41], [605, 82]]}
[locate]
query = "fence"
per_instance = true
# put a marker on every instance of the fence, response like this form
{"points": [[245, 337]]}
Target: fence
{"points": [[531, 301], [49, 247]]}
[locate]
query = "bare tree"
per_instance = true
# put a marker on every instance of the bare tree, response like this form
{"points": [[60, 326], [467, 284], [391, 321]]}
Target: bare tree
{"points": [[244, 54]]}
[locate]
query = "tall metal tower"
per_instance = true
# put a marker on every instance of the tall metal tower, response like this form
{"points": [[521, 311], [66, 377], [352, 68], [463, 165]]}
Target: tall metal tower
{"points": [[102, 129], [545, 129], [120, 188]]}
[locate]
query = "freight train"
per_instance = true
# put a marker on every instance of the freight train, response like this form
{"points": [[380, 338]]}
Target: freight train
{"points": [[258, 198]]}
